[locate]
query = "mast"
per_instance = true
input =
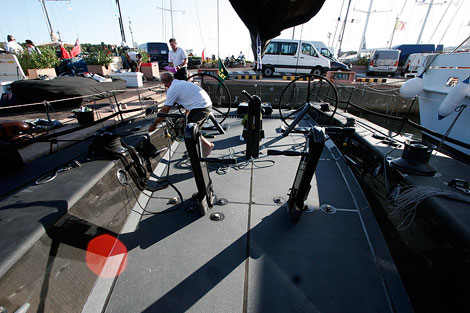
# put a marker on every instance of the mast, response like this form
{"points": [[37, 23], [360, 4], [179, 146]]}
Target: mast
{"points": [[341, 35], [396, 22], [363, 38], [424, 22], [171, 15], [337, 23], [123, 34], [51, 32], [163, 23]]}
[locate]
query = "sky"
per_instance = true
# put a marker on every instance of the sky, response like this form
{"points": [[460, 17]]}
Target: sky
{"points": [[195, 23]]}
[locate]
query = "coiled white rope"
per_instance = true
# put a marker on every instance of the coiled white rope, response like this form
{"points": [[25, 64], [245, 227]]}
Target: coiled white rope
{"points": [[404, 206]]}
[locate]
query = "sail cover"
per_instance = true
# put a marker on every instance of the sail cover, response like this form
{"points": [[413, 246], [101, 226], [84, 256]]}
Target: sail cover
{"points": [[270, 17]]}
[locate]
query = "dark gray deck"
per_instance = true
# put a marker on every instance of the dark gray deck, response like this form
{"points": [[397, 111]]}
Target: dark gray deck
{"points": [[256, 259]]}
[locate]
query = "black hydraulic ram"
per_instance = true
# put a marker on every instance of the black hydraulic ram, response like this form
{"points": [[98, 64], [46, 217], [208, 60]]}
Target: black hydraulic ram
{"points": [[253, 133], [303, 177], [205, 194], [307, 165]]}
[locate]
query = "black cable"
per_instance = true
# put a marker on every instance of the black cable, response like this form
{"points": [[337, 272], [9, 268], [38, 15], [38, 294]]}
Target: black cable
{"points": [[166, 179], [145, 211]]}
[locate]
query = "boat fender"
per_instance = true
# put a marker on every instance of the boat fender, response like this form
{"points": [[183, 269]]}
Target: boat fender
{"points": [[413, 87], [12, 129], [454, 99]]}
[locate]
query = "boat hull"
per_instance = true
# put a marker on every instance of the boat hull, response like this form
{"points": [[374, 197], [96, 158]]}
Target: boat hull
{"points": [[444, 69]]}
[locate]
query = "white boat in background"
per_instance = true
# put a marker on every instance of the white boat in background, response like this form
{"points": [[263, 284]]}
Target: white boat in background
{"points": [[442, 73]]}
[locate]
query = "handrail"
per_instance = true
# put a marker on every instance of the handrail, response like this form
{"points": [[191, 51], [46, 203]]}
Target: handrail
{"points": [[74, 129], [105, 93]]}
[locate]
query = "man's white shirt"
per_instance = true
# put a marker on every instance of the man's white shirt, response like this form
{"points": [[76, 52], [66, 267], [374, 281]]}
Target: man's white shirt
{"points": [[133, 56], [13, 47], [177, 57], [188, 94]]}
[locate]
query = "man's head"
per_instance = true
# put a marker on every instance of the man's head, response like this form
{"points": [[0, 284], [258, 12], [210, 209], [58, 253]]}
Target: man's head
{"points": [[29, 43], [166, 78], [10, 38], [173, 44]]}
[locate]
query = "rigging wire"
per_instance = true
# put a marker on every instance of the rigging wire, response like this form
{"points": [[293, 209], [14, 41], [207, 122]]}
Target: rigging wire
{"points": [[112, 14], [139, 28], [438, 24], [69, 10], [451, 21], [337, 24], [63, 21], [199, 24], [28, 26]]}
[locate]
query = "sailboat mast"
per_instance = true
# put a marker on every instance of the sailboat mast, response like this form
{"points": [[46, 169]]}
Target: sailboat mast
{"points": [[395, 25], [343, 29], [47, 19], [123, 34], [171, 15], [424, 23], [363, 38]]}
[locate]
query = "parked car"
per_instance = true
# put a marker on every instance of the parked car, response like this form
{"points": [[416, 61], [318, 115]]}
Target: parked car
{"points": [[335, 64], [413, 63], [406, 50], [338, 66], [384, 61], [295, 56]]}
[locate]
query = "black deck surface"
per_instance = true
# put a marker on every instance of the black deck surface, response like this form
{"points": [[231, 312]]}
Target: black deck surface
{"points": [[256, 259]]}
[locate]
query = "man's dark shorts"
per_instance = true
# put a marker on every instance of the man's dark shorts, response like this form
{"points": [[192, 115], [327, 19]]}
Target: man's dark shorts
{"points": [[199, 116], [182, 73]]}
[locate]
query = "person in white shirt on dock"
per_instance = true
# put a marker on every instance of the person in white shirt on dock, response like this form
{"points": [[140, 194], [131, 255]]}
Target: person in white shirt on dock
{"points": [[193, 98], [12, 46], [178, 59]]}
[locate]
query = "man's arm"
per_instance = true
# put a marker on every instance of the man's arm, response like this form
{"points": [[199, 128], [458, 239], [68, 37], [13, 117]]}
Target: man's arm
{"points": [[164, 109], [170, 60], [185, 61]]}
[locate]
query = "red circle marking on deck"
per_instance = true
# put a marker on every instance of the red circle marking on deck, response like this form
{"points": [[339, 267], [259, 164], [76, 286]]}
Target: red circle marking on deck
{"points": [[106, 256]]}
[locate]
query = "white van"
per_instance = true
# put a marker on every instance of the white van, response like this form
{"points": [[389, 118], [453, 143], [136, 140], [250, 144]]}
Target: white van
{"points": [[384, 61], [293, 56], [413, 63]]}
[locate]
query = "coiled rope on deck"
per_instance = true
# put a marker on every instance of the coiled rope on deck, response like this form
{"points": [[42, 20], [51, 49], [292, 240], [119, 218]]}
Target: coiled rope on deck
{"points": [[404, 206]]}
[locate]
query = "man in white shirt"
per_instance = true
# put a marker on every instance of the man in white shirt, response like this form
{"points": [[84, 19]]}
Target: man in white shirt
{"points": [[135, 60], [178, 59], [12, 46], [193, 98]]}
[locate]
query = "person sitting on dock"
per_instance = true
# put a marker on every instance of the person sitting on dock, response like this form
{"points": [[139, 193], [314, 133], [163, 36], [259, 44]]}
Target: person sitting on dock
{"points": [[193, 98]]}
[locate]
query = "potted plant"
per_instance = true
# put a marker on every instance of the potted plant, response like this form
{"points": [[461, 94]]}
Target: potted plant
{"points": [[98, 62], [360, 65], [149, 69], [39, 64]]}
